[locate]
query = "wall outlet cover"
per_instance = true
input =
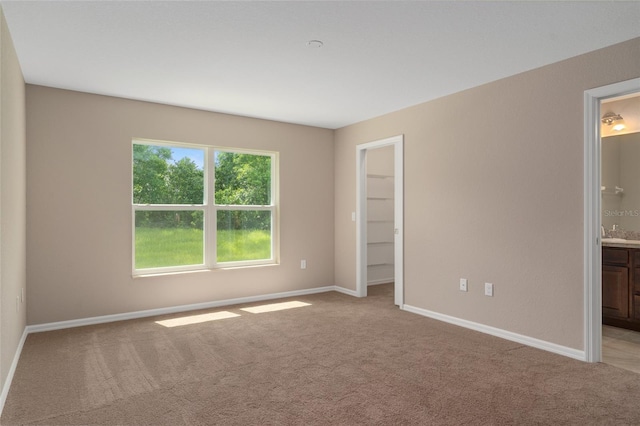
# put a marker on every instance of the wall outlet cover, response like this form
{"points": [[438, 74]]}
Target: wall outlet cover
{"points": [[488, 289], [463, 284]]}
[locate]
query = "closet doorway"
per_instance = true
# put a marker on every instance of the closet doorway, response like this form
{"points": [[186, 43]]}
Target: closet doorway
{"points": [[379, 216]]}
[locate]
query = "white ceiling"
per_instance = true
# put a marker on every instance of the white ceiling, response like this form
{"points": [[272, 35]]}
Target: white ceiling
{"points": [[251, 58]]}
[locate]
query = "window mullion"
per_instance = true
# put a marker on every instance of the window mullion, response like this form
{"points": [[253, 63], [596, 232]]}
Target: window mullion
{"points": [[211, 211], [168, 207], [242, 207]]}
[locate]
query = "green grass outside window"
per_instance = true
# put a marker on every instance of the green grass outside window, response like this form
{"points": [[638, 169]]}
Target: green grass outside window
{"points": [[164, 247]]}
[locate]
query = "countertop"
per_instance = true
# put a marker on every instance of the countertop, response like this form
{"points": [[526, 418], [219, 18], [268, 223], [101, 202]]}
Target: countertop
{"points": [[621, 244]]}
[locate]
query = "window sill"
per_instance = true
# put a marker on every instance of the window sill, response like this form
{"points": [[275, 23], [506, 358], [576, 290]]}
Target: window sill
{"points": [[193, 271]]}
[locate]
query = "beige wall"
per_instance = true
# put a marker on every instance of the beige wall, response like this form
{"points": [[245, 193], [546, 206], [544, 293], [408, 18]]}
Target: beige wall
{"points": [[493, 193], [79, 197], [12, 201]]}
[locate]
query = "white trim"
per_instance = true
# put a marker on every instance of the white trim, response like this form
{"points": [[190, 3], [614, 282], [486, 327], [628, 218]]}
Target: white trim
{"points": [[592, 213], [346, 291], [398, 215], [169, 207], [380, 281], [361, 221], [173, 309], [592, 221], [361, 215], [12, 370], [504, 334]]}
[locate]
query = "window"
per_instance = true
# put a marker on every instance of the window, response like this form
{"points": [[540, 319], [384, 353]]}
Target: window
{"points": [[244, 211], [201, 207]]}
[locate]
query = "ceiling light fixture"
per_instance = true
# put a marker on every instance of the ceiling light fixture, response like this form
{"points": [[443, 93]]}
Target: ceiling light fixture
{"points": [[610, 118], [315, 44]]}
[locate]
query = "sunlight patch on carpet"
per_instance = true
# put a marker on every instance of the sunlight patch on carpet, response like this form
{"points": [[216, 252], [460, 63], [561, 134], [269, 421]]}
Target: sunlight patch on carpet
{"points": [[196, 319], [275, 307]]}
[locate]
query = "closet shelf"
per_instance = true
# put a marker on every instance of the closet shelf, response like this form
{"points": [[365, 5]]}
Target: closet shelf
{"points": [[380, 226]]}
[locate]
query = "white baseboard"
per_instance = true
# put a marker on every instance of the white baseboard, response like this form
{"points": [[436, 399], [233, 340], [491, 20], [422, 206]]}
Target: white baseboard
{"points": [[498, 332], [380, 281], [172, 310], [345, 291], [12, 370]]}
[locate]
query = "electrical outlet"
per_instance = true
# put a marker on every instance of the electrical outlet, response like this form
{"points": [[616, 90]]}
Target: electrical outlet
{"points": [[488, 289], [463, 284], [303, 264]]}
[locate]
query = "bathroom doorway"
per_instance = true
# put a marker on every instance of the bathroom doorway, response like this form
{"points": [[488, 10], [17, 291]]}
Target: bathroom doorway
{"points": [[620, 231], [600, 193]]}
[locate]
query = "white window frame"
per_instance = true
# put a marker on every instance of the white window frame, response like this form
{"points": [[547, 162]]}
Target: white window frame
{"points": [[273, 208], [210, 209]]}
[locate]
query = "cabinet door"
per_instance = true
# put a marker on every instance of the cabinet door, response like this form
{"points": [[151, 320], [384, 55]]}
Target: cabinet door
{"points": [[615, 291]]}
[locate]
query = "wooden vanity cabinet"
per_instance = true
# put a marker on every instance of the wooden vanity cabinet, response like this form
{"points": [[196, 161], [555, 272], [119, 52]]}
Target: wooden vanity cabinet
{"points": [[615, 291], [621, 287], [636, 285]]}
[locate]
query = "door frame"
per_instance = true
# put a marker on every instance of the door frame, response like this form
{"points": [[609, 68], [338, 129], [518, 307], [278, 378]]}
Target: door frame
{"points": [[361, 215], [592, 213]]}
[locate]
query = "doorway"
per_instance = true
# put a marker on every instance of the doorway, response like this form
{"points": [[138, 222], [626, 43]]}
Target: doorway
{"points": [[372, 237], [593, 220], [620, 180]]}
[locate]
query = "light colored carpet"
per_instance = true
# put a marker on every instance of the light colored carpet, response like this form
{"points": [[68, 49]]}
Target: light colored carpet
{"points": [[339, 360]]}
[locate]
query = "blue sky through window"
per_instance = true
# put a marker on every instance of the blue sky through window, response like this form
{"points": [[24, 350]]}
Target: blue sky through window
{"points": [[196, 155]]}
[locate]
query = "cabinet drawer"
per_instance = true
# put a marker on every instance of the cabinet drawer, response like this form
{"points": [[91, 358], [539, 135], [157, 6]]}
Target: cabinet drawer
{"points": [[617, 256], [636, 257]]}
